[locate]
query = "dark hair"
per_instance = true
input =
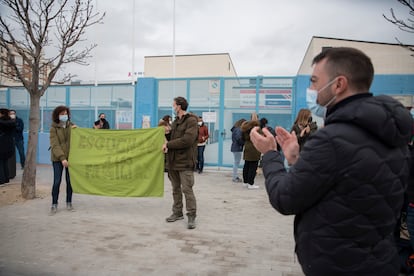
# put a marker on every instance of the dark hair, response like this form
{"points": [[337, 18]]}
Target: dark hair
{"points": [[181, 101], [263, 122], [349, 62], [238, 123], [166, 118], [57, 110], [162, 123], [5, 113]]}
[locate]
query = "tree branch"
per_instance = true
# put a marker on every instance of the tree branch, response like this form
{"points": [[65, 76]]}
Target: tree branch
{"points": [[67, 20]]}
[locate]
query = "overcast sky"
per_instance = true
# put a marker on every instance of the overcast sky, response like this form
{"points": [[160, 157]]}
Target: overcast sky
{"points": [[263, 37]]}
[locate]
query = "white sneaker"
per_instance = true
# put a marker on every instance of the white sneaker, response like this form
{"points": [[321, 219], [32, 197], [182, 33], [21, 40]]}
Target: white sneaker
{"points": [[252, 187], [246, 185]]}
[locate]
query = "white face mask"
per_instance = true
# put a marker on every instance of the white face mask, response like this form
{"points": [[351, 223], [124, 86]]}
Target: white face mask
{"points": [[63, 118], [200, 123], [176, 110], [13, 116]]}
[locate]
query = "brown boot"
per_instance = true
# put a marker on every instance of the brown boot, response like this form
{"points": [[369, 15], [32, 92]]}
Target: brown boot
{"points": [[191, 222], [174, 217]]}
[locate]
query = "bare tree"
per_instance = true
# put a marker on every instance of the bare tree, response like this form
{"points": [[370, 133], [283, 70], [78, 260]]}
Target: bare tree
{"points": [[404, 25], [29, 30]]}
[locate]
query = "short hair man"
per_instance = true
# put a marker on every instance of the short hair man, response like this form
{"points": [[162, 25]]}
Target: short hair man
{"points": [[182, 158], [346, 186]]}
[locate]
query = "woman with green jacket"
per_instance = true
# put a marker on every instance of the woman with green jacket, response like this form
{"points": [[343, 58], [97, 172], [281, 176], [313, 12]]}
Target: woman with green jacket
{"points": [[251, 155], [59, 148]]}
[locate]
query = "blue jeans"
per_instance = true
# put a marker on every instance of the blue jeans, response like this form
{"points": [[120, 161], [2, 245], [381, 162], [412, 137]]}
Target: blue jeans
{"points": [[20, 149], [237, 157], [200, 158], [57, 178]]}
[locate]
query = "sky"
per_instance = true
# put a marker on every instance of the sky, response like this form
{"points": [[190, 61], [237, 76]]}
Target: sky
{"points": [[263, 37]]}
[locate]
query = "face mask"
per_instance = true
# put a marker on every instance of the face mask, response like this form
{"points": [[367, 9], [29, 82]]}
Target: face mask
{"points": [[412, 112], [63, 118], [315, 108], [13, 116], [323, 88], [200, 123], [311, 97], [175, 110]]}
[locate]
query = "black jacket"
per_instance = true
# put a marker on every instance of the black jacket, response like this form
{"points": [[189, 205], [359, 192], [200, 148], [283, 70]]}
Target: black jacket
{"points": [[18, 135], [346, 189], [7, 130]]}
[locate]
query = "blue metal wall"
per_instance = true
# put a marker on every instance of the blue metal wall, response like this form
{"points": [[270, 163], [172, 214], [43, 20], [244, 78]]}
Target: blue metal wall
{"points": [[152, 98]]}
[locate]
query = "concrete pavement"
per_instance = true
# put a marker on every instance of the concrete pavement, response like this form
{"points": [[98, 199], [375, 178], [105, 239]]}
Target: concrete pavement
{"points": [[238, 233]]}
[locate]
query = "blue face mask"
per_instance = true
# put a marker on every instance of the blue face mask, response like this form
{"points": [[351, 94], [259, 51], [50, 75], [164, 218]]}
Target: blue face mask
{"points": [[311, 97], [63, 118], [315, 108]]}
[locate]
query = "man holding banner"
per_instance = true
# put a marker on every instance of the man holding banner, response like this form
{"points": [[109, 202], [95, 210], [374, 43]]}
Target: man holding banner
{"points": [[182, 158]]}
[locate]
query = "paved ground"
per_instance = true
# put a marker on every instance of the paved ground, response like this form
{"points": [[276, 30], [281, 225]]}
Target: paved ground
{"points": [[238, 233]]}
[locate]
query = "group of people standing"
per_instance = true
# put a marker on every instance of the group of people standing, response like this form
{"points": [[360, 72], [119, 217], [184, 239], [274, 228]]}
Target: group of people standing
{"points": [[345, 184], [186, 138], [242, 146]]}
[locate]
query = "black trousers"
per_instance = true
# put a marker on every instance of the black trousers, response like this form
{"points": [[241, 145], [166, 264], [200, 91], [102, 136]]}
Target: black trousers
{"points": [[249, 171], [4, 171]]}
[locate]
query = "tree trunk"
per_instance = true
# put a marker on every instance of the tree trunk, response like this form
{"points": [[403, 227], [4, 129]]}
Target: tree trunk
{"points": [[29, 174]]}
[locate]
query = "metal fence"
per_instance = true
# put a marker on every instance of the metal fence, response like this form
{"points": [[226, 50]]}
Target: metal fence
{"points": [[220, 101]]}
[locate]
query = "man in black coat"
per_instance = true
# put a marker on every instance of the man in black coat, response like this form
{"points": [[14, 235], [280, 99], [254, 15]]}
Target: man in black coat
{"points": [[18, 136], [346, 187]]}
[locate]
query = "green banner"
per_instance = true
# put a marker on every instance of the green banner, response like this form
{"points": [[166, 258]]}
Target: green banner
{"points": [[125, 163]]}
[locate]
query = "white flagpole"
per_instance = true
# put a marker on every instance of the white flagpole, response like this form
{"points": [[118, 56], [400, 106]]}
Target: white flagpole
{"points": [[133, 43], [173, 57]]}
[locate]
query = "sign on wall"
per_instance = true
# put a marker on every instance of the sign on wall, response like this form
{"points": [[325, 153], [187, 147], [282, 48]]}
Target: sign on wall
{"points": [[124, 119], [268, 98], [209, 117]]}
